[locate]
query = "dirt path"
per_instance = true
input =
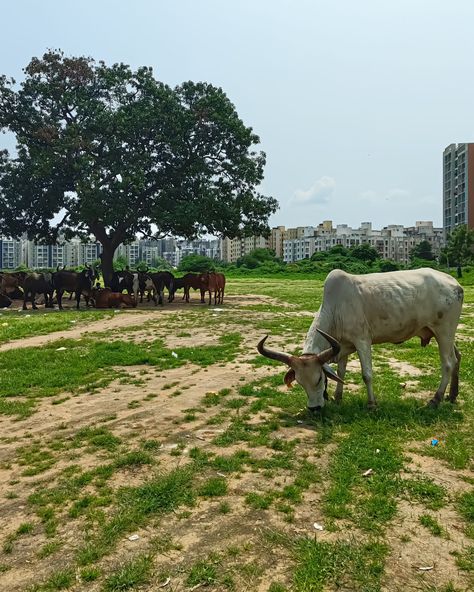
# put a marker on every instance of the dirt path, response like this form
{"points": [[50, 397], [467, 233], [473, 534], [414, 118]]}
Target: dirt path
{"points": [[119, 320]]}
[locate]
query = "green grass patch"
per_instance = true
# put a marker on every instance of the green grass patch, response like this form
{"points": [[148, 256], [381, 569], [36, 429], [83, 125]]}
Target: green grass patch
{"points": [[131, 574]]}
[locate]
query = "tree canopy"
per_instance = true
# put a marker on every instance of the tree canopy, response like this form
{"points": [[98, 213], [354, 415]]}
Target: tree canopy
{"points": [[196, 263], [111, 152], [422, 250], [459, 248]]}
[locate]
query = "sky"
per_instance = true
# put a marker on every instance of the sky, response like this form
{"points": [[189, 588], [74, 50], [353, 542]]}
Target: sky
{"points": [[353, 101]]}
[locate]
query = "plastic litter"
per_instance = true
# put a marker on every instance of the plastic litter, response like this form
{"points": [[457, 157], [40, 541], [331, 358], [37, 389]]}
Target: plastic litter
{"points": [[434, 442], [61, 349], [427, 568], [377, 451], [165, 583], [318, 526], [367, 472], [174, 354], [133, 537]]}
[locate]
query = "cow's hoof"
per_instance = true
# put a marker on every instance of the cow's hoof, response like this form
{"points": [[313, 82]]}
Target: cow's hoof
{"points": [[452, 400], [433, 404], [372, 406]]}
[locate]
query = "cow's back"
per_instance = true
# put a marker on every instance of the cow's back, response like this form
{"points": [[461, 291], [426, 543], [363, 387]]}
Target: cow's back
{"points": [[392, 306]]}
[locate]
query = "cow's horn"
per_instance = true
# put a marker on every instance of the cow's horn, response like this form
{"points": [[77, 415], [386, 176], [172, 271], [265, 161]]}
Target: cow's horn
{"points": [[273, 355], [329, 354]]}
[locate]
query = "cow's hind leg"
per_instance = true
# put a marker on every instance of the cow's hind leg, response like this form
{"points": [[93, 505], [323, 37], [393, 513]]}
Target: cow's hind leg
{"points": [[449, 363], [454, 384], [364, 351]]}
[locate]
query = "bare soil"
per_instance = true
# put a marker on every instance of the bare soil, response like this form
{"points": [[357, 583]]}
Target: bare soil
{"points": [[257, 562]]}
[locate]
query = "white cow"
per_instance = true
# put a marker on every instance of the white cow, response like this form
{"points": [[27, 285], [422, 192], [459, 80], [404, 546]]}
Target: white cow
{"points": [[359, 310]]}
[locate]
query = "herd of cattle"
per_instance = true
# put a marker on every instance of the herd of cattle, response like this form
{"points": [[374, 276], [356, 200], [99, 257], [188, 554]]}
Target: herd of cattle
{"points": [[136, 285]]}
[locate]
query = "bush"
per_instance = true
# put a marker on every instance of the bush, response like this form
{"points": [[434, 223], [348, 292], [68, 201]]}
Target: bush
{"points": [[196, 263]]}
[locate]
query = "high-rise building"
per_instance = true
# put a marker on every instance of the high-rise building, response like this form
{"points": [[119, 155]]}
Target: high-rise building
{"points": [[458, 186], [10, 253]]}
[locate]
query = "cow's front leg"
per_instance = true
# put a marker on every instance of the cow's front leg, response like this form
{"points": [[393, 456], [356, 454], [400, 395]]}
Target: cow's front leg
{"points": [[364, 351], [341, 372]]}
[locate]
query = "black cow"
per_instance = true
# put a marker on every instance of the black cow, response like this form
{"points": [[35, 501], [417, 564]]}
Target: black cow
{"points": [[38, 283], [73, 281], [122, 280], [5, 301], [161, 280]]}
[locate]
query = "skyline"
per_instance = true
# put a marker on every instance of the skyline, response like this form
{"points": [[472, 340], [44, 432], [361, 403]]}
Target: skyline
{"points": [[354, 105]]}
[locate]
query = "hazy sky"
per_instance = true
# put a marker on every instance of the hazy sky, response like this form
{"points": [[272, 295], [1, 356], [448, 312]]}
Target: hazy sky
{"points": [[353, 100]]}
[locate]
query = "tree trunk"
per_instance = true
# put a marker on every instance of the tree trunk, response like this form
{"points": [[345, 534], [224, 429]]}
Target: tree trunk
{"points": [[107, 259]]}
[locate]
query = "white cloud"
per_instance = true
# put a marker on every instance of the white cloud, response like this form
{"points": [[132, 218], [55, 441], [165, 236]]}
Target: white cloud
{"points": [[319, 193]]}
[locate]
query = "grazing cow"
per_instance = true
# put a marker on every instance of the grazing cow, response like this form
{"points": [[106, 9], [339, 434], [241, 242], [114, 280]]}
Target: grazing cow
{"points": [[122, 280], [73, 281], [5, 301], [214, 283], [162, 280], [359, 310], [38, 283], [105, 298]]}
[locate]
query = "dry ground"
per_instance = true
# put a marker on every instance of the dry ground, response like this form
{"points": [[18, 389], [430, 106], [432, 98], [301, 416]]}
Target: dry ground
{"points": [[243, 525]]}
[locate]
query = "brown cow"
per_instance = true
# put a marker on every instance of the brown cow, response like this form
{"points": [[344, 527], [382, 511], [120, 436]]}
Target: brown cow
{"points": [[188, 281], [10, 282], [213, 283], [105, 298]]}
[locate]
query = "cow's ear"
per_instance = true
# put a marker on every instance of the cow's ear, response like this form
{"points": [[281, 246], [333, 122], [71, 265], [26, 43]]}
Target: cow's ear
{"points": [[289, 377]]}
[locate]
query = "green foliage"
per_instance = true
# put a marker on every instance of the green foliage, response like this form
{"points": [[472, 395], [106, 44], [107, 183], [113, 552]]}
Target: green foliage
{"points": [[388, 265], [423, 251], [259, 258], [365, 252], [99, 144], [196, 263], [459, 250], [158, 263], [120, 263]]}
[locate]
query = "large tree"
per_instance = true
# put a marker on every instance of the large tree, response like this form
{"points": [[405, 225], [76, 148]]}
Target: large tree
{"points": [[422, 250], [110, 152]]}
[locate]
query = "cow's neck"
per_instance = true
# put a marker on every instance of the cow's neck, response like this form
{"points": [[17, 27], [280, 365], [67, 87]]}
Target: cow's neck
{"points": [[315, 342]]}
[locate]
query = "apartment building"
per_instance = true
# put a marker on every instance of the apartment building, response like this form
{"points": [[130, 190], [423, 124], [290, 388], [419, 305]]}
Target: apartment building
{"points": [[232, 249], [393, 242], [10, 253], [458, 186]]}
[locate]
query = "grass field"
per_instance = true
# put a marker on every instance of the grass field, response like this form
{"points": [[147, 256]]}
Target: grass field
{"points": [[154, 449]]}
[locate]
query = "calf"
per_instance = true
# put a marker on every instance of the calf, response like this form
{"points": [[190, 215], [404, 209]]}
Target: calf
{"points": [[105, 298]]}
